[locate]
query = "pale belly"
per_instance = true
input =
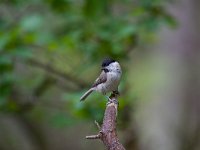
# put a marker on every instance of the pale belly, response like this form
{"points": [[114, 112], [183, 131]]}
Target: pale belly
{"points": [[111, 84]]}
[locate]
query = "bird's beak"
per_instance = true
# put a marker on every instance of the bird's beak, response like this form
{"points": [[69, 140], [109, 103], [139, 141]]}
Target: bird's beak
{"points": [[102, 69]]}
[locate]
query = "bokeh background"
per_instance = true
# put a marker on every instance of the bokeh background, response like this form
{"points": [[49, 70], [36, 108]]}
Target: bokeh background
{"points": [[50, 53]]}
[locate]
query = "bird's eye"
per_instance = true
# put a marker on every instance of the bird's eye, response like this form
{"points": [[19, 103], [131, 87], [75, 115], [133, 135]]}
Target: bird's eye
{"points": [[106, 70]]}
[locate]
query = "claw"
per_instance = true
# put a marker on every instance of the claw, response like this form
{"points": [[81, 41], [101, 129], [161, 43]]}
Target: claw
{"points": [[116, 93], [115, 101], [108, 102]]}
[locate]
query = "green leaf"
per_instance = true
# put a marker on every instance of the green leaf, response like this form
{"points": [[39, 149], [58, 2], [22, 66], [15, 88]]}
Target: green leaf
{"points": [[22, 52], [31, 22], [5, 60], [126, 31], [4, 39]]}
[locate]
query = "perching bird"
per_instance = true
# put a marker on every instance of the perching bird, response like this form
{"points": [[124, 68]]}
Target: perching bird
{"points": [[108, 80]]}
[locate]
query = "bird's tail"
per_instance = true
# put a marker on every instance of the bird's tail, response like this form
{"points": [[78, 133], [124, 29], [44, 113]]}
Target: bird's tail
{"points": [[86, 94]]}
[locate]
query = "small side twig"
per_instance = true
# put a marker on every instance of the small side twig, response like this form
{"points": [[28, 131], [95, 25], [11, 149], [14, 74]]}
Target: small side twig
{"points": [[93, 136], [97, 124]]}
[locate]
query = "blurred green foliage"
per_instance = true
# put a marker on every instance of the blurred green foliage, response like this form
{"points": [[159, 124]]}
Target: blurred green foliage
{"points": [[46, 44]]}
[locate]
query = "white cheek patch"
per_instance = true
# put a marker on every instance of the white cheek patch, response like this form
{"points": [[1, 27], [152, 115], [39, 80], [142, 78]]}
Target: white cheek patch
{"points": [[115, 67]]}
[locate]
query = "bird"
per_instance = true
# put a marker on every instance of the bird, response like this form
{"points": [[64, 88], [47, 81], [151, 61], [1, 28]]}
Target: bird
{"points": [[108, 80]]}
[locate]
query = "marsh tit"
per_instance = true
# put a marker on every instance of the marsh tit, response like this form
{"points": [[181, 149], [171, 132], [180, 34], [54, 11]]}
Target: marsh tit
{"points": [[109, 79]]}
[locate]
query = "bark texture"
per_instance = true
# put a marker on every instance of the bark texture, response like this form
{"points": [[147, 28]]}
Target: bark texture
{"points": [[108, 133]]}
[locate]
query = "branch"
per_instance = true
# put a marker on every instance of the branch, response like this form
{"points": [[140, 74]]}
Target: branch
{"points": [[52, 70], [108, 134]]}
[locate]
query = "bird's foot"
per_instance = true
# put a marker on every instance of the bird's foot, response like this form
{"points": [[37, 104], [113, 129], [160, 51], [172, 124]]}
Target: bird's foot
{"points": [[116, 93], [112, 101], [115, 101]]}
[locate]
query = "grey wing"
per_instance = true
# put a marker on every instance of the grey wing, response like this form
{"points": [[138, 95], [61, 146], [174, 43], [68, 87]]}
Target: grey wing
{"points": [[101, 79]]}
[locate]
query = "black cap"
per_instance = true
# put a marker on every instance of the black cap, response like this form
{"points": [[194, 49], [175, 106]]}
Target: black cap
{"points": [[107, 61]]}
